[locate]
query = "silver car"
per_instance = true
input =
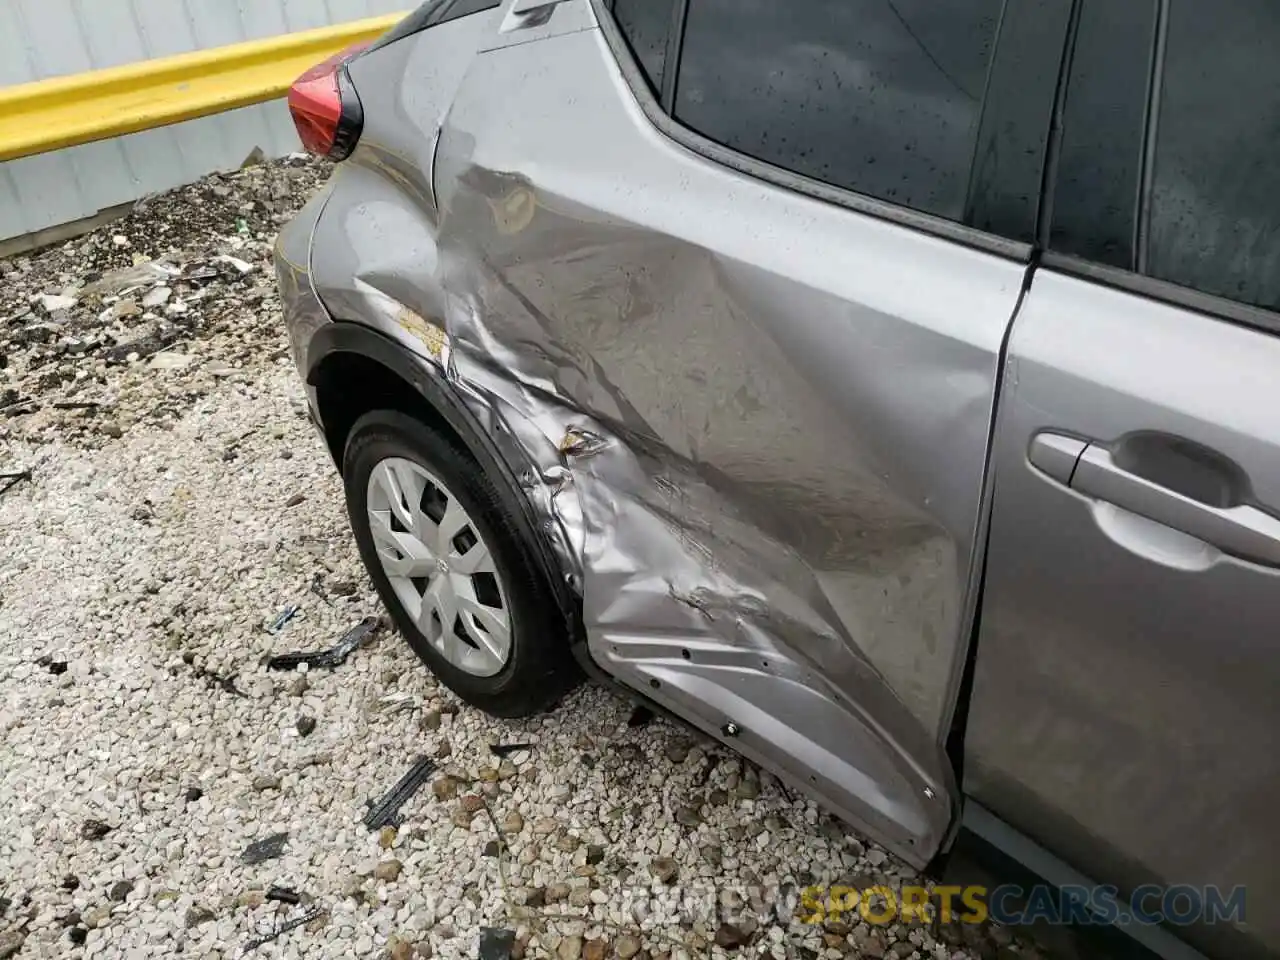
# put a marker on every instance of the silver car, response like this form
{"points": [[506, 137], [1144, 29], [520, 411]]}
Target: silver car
{"points": [[888, 388]]}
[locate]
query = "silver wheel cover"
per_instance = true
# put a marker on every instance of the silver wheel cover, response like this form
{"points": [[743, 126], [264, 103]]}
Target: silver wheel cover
{"points": [[439, 566]]}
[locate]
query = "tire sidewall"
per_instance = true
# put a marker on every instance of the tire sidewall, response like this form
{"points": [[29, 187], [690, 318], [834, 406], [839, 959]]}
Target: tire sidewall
{"points": [[532, 660]]}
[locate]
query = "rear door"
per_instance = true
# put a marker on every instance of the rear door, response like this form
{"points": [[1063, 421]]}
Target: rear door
{"points": [[770, 253], [1124, 707]]}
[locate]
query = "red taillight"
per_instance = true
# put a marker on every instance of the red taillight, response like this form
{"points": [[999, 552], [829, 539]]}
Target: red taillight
{"points": [[326, 109]]}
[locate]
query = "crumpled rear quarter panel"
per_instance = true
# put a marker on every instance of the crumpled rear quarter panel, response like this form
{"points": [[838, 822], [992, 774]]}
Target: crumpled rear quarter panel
{"points": [[711, 398]]}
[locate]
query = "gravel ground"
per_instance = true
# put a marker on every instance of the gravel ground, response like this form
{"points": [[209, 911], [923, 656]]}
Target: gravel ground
{"points": [[172, 512]]}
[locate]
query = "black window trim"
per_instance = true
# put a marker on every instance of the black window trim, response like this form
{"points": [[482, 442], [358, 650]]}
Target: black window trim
{"points": [[758, 169], [1165, 291], [1151, 120], [675, 41]]}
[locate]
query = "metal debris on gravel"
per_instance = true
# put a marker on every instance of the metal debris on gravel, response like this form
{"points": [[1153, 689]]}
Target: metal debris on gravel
{"points": [[141, 558], [386, 812], [335, 656], [268, 848]]}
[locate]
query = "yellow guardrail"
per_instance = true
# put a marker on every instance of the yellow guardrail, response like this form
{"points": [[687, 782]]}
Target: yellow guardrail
{"points": [[67, 111]]}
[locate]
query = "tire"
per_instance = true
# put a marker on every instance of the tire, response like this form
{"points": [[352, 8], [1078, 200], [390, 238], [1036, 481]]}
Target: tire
{"points": [[539, 668]]}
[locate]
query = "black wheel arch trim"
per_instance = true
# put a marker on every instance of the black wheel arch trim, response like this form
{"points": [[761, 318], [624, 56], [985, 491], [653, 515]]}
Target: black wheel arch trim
{"points": [[341, 337]]}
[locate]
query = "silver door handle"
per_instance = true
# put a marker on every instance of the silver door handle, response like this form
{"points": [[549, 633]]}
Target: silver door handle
{"points": [[1243, 531]]}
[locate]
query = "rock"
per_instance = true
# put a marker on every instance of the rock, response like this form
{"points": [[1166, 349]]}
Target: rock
{"points": [[487, 775], [712, 854], [557, 892], [299, 685], [157, 297], [192, 794], [251, 899], [903, 949], [343, 588], [387, 838], [265, 782], [491, 849], [124, 309], [506, 769], [445, 788], [430, 720], [570, 948], [306, 725], [730, 937], [388, 871], [513, 822], [677, 750], [595, 853], [70, 882], [445, 749], [11, 942], [747, 789], [580, 896], [197, 915], [537, 897], [165, 360], [873, 947], [96, 917], [595, 950], [120, 890], [626, 947], [665, 869], [688, 817], [94, 829], [460, 817], [568, 843], [472, 803], [717, 798], [52, 302]]}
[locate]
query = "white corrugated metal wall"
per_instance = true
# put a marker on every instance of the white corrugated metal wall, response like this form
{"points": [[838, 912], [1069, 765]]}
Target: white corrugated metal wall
{"points": [[47, 38]]}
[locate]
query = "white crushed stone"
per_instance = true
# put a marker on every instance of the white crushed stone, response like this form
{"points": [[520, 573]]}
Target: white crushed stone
{"points": [[149, 560]]}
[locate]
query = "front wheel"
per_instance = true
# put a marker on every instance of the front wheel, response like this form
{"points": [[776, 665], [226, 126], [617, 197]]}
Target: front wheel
{"points": [[449, 563]]}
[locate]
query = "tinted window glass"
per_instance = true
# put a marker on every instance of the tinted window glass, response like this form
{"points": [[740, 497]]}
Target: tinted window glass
{"points": [[1215, 203], [646, 24], [1095, 202], [878, 96]]}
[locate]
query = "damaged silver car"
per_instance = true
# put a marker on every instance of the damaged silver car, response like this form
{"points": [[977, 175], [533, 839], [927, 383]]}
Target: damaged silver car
{"points": [[885, 387]]}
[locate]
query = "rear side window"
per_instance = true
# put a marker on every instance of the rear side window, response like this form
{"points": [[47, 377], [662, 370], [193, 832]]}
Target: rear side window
{"points": [[1214, 217], [647, 25], [881, 97], [429, 15]]}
